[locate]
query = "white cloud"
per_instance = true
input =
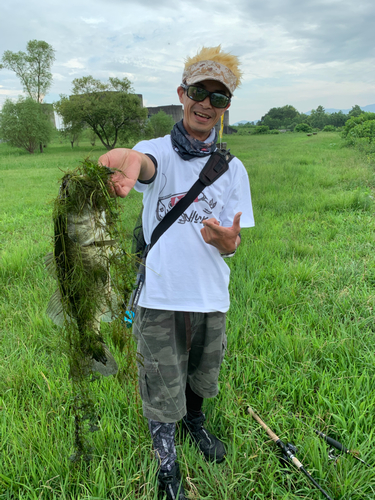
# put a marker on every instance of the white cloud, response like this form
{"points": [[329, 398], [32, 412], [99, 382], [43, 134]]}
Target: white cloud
{"points": [[7, 92], [58, 77], [73, 64]]}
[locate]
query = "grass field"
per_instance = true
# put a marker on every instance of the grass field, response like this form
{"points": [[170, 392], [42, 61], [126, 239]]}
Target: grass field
{"points": [[301, 337]]}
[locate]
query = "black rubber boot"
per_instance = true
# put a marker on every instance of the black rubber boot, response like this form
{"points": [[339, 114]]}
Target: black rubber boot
{"points": [[170, 484], [211, 447]]}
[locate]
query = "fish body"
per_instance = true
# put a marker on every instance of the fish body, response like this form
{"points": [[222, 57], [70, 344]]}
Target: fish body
{"points": [[80, 264]]}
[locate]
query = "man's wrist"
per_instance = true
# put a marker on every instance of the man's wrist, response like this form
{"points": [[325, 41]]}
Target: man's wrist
{"points": [[230, 254], [145, 167]]}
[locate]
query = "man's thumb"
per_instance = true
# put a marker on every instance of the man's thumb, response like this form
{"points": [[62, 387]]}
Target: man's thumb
{"points": [[236, 220]]}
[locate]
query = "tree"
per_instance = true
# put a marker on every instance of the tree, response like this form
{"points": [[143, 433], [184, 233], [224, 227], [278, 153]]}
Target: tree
{"points": [[260, 129], [337, 119], [356, 127], [303, 127], [72, 132], [161, 123], [111, 110], [32, 67], [355, 111], [24, 124], [92, 137], [318, 118], [366, 130], [284, 117], [329, 128]]}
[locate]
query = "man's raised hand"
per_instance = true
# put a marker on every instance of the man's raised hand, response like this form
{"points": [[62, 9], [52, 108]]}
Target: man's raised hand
{"points": [[225, 239], [128, 165]]}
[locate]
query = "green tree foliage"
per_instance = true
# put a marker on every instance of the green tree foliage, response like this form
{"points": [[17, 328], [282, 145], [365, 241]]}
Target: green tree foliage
{"points": [[32, 67], [329, 128], [359, 127], [337, 119], [355, 121], [303, 127], [72, 132], [355, 111], [110, 109], [24, 124], [318, 118], [281, 118], [260, 129], [244, 128], [92, 137], [161, 123], [366, 130]]}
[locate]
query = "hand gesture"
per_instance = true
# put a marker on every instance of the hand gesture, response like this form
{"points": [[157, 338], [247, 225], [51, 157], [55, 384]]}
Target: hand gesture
{"points": [[222, 238]]}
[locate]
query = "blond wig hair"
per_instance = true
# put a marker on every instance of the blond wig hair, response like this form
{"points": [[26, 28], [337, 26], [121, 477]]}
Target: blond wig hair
{"points": [[216, 54]]}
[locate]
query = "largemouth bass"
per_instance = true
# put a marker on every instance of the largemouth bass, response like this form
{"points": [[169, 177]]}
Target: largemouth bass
{"points": [[80, 264]]}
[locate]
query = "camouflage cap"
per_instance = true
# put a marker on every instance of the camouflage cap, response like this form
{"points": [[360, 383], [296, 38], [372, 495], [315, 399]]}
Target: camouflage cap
{"points": [[210, 70]]}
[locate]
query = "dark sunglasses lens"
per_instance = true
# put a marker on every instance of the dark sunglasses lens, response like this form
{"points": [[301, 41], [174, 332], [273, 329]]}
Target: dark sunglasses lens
{"points": [[219, 100], [197, 94]]}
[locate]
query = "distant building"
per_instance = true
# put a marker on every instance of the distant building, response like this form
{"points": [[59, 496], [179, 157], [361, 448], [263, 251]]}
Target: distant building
{"points": [[227, 129], [174, 110]]}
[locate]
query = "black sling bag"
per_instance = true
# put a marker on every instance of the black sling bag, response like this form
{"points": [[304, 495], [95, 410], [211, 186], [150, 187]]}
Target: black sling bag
{"points": [[215, 167]]}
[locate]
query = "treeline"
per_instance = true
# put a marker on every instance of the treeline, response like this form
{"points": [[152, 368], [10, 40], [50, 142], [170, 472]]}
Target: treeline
{"points": [[110, 112], [357, 128], [287, 118]]}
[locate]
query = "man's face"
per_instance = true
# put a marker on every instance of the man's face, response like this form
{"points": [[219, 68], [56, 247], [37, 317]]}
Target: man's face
{"points": [[201, 117]]}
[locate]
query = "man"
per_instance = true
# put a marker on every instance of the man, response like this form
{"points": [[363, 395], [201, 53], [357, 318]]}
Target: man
{"points": [[180, 320]]}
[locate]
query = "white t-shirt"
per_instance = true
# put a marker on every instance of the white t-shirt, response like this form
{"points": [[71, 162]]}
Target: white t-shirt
{"points": [[183, 273]]}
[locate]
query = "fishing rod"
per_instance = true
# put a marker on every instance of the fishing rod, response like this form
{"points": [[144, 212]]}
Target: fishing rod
{"points": [[288, 451], [332, 442]]}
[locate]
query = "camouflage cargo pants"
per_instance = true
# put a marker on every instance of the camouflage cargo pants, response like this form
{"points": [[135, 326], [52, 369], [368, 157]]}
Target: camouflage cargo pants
{"points": [[169, 358]]}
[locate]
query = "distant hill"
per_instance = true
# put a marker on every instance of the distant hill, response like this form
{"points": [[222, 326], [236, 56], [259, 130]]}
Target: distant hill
{"points": [[369, 108]]}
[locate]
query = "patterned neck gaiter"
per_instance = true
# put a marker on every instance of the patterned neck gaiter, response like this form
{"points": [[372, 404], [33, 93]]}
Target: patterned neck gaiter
{"points": [[187, 147]]}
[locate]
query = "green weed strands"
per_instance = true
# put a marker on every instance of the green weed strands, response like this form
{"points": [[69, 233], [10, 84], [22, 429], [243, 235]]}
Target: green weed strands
{"points": [[94, 275]]}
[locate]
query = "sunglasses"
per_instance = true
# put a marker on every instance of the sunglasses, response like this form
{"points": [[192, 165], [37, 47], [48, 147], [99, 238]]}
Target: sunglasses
{"points": [[199, 94]]}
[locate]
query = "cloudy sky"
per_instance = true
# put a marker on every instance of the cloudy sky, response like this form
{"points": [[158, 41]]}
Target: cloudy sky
{"points": [[303, 53]]}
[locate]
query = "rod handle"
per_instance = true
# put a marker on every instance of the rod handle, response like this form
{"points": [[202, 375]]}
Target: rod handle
{"points": [[271, 434], [332, 442]]}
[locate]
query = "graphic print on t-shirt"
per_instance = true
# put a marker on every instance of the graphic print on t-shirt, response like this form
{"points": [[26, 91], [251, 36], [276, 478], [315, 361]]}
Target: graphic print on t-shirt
{"points": [[200, 210]]}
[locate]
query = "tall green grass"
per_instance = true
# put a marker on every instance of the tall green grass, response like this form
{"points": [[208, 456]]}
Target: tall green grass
{"points": [[300, 337]]}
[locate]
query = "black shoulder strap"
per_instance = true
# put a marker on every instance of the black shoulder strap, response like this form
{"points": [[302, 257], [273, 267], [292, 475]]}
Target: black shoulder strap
{"points": [[215, 167]]}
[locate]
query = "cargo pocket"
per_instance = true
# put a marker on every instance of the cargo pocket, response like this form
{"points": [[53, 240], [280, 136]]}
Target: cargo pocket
{"points": [[151, 384]]}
